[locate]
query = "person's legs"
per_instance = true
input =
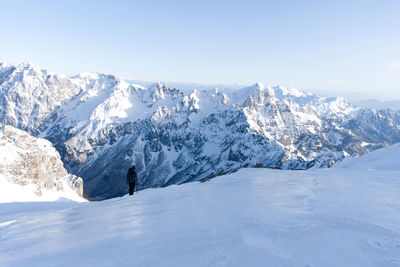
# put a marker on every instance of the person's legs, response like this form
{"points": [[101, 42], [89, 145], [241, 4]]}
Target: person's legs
{"points": [[131, 188]]}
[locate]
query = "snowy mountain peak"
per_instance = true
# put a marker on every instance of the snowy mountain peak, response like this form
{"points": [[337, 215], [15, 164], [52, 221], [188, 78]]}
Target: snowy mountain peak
{"points": [[158, 91], [28, 65], [260, 95], [259, 85], [87, 76], [30, 69], [5, 65], [289, 92]]}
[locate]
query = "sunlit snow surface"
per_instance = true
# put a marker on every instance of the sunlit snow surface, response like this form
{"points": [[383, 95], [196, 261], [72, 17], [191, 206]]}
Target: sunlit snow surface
{"points": [[10, 192], [342, 216]]}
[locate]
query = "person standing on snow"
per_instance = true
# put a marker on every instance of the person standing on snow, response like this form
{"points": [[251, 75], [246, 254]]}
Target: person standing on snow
{"points": [[131, 179]]}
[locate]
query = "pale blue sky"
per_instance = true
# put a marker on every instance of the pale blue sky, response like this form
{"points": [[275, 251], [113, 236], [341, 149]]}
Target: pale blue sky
{"points": [[336, 47]]}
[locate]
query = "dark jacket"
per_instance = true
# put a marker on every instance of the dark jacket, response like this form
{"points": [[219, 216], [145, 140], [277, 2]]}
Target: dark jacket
{"points": [[131, 177]]}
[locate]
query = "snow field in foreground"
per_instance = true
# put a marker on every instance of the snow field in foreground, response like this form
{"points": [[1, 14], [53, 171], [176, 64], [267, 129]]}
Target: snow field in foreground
{"points": [[254, 217]]}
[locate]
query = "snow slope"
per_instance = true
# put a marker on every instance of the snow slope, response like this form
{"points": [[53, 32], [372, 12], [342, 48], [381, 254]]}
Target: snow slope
{"points": [[10, 192], [381, 159], [254, 217]]}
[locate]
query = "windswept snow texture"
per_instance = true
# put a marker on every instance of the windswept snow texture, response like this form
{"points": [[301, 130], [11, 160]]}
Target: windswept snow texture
{"points": [[254, 217], [101, 125]]}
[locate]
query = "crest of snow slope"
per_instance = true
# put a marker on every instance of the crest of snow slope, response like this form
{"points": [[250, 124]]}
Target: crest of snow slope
{"points": [[104, 124], [254, 217], [31, 170], [381, 159]]}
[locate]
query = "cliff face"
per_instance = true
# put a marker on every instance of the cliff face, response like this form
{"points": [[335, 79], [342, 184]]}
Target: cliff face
{"points": [[26, 160]]}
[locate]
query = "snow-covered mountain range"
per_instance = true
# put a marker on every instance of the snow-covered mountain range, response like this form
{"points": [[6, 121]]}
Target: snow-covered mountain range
{"points": [[31, 169], [101, 124]]}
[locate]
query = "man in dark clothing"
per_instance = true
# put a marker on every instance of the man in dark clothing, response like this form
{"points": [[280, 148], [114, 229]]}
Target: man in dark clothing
{"points": [[131, 179]]}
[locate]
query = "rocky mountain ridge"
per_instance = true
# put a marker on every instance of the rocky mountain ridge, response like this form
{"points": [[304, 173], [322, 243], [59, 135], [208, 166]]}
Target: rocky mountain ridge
{"points": [[26, 160], [101, 124]]}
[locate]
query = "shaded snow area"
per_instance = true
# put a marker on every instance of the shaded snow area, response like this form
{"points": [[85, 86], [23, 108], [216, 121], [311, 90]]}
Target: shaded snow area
{"points": [[254, 217]]}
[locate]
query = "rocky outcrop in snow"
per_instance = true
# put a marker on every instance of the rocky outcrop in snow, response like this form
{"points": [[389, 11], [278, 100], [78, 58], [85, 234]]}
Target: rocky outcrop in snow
{"points": [[26, 160], [101, 124]]}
